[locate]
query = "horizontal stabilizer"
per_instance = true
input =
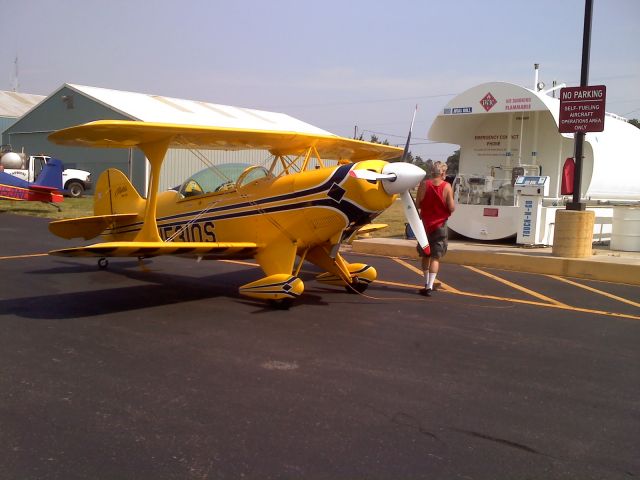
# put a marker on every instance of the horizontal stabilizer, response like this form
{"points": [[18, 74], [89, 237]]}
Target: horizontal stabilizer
{"points": [[208, 250], [88, 227], [41, 188]]}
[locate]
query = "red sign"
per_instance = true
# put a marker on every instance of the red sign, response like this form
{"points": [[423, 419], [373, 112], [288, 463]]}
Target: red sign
{"points": [[582, 109], [490, 212], [488, 101]]}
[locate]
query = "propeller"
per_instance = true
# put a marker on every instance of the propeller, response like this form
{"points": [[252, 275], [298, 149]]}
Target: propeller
{"points": [[399, 178]]}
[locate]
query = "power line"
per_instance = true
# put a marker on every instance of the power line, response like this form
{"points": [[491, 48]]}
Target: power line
{"points": [[359, 102], [391, 135]]}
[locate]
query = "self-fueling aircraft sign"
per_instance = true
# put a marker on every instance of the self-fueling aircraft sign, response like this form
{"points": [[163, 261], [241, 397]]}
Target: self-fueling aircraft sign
{"points": [[582, 109]]}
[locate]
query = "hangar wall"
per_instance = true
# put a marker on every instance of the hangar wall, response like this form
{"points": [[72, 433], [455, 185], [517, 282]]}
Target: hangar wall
{"points": [[73, 105], [65, 108]]}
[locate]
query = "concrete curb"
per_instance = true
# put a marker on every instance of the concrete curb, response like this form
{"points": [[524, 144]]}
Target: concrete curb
{"points": [[615, 267]]}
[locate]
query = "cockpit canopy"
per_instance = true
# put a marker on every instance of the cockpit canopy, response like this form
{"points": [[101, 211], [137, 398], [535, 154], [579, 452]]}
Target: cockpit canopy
{"points": [[222, 178]]}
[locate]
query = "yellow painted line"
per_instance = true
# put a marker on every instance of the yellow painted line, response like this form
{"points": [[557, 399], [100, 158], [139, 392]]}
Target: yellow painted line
{"points": [[516, 286], [595, 290], [534, 303], [15, 257], [417, 270], [548, 302], [549, 305], [398, 284], [449, 289]]}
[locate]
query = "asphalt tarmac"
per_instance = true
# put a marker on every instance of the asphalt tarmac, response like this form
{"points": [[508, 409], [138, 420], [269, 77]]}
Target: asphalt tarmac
{"points": [[165, 372]]}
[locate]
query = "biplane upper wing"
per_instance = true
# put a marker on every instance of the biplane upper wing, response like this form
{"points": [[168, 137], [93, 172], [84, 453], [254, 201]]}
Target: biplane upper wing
{"points": [[127, 134]]}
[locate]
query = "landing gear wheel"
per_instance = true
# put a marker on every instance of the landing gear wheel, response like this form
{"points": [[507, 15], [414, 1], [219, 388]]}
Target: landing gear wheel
{"points": [[281, 304], [356, 287], [103, 263]]}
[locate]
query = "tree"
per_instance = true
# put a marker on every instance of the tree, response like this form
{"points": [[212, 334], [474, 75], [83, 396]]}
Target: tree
{"points": [[635, 122], [419, 162], [453, 163], [425, 165], [375, 139]]}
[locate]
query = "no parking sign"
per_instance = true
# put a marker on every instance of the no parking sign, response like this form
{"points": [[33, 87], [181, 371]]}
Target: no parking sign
{"points": [[582, 109]]}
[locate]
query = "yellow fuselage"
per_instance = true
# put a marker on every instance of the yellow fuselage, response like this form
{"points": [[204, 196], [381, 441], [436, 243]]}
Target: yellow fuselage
{"points": [[307, 208]]}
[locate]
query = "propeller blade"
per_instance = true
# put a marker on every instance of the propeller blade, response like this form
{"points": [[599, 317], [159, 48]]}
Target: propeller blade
{"points": [[406, 146], [370, 175], [411, 214]]}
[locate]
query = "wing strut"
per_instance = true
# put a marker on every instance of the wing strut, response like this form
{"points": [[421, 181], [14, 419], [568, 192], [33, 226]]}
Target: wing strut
{"points": [[155, 152]]}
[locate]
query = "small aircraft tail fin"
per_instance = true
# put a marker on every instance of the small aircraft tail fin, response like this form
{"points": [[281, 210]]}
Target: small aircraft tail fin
{"points": [[115, 203], [116, 195], [51, 175]]}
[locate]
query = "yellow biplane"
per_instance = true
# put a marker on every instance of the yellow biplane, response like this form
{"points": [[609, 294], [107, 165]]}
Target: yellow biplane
{"points": [[299, 207]]}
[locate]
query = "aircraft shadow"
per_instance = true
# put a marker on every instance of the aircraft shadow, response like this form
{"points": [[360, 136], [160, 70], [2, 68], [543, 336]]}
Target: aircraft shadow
{"points": [[160, 289], [105, 301]]}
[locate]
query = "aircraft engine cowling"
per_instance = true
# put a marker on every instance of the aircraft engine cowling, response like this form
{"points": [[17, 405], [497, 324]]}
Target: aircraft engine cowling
{"points": [[399, 178]]}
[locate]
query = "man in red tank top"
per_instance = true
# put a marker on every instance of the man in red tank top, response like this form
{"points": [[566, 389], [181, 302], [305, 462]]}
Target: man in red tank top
{"points": [[435, 205]]}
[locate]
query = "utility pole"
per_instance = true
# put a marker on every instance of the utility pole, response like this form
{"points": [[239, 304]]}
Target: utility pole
{"points": [[576, 204], [573, 232]]}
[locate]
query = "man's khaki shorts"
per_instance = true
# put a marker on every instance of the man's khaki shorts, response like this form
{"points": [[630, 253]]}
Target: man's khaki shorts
{"points": [[438, 242]]}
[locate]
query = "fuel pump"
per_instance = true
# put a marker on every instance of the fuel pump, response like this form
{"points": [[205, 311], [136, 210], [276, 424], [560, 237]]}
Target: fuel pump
{"points": [[529, 192]]}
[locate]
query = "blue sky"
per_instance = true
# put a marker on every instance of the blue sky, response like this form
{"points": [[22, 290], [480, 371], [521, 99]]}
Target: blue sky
{"points": [[335, 64]]}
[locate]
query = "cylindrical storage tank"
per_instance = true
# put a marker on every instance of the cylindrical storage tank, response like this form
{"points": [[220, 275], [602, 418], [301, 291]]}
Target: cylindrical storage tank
{"points": [[625, 229], [11, 160]]}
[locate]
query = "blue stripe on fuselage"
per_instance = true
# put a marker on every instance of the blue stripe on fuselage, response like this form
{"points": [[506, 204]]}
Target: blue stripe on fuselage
{"points": [[337, 176], [353, 212]]}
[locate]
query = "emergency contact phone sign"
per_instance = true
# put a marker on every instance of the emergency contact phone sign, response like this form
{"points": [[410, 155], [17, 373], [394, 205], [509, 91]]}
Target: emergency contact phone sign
{"points": [[582, 109]]}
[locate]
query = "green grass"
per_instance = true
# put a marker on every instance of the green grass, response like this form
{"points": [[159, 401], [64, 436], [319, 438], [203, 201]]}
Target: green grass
{"points": [[69, 208], [394, 217]]}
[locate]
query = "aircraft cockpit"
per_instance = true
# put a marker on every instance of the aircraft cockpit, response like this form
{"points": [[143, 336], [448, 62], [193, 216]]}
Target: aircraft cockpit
{"points": [[222, 178]]}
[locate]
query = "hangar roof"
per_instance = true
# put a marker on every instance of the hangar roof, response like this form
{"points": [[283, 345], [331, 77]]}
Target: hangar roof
{"points": [[159, 109], [15, 104]]}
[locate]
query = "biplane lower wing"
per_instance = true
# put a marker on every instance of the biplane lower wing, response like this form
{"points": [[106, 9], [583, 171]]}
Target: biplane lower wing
{"points": [[207, 250]]}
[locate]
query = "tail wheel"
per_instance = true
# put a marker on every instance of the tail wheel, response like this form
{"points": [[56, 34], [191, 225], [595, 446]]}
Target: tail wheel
{"points": [[103, 263]]}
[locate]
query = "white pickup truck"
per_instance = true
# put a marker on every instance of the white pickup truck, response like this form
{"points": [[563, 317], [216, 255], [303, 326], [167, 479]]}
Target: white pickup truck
{"points": [[74, 182]]}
